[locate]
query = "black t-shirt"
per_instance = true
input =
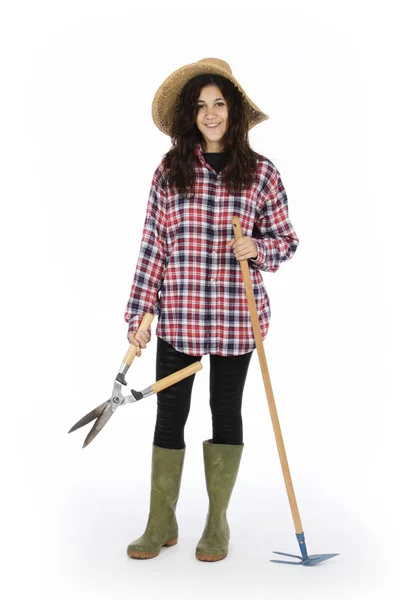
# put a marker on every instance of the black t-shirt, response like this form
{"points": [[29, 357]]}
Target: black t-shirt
{"points": [[217, 160]]}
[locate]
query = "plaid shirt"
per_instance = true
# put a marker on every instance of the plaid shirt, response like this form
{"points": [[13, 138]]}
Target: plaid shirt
{"points": [[188, 276]]}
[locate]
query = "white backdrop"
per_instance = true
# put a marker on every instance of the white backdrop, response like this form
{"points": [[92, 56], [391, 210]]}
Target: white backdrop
{"points": [[78, 150]]}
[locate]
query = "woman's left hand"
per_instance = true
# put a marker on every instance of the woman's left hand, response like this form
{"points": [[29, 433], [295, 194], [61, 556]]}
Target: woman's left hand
{"points": [[244, 248]]}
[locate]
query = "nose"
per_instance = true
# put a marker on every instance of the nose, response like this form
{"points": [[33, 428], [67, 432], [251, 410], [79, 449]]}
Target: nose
{"points": [[210, 113]]}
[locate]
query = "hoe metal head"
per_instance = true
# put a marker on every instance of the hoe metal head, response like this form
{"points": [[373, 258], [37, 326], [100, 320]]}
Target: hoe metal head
{"points": [[309, 561], [305, 559]]}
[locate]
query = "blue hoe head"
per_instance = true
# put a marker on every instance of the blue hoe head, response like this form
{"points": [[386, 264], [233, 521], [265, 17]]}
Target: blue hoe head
{"points": [[308, 561]]}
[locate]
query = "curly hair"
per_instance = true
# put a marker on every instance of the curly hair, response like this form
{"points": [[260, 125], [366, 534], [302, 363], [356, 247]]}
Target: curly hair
{"points": [[240, 170]]}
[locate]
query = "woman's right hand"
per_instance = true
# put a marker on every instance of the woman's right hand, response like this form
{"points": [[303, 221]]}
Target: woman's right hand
{"points": [[140, 339]]}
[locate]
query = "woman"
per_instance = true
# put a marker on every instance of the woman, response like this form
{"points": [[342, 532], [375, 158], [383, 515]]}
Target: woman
{"points": [[189, 256]]}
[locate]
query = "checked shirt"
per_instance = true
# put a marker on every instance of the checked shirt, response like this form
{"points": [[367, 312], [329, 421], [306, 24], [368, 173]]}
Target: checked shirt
{"points": [[186, 274]]}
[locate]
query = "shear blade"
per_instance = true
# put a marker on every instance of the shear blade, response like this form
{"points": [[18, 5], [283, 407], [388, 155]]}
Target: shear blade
{"points": [[99, 424], [93, 414]]}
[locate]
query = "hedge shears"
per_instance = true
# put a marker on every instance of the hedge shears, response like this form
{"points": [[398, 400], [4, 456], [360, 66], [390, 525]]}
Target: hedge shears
{"points": [[102, 413]]}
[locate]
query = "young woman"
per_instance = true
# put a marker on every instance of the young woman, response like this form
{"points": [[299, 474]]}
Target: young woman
{"points": [[188, 274]]}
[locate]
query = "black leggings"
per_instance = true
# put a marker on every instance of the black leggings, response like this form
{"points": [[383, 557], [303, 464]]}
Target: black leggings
{"points": [[227, 379]]}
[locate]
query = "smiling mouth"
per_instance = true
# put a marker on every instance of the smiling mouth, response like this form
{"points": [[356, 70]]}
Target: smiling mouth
{"points": [[213, 125]]}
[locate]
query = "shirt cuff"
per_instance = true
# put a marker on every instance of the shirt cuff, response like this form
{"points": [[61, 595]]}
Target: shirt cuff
{"points": [[262, 255], [133, 325]]}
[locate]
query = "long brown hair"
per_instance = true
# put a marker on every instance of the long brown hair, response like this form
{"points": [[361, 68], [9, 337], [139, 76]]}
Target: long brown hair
{"points": [[241, 167]]}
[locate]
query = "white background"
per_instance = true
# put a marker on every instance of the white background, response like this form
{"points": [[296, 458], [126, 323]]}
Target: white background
{"points": [[78, 150]]}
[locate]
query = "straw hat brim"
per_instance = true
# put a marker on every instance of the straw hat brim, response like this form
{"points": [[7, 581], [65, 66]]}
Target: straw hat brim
{"points": [[166, 97]]}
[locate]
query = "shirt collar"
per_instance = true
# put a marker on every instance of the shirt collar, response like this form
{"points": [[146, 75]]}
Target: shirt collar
{"points": [[198, 150]]}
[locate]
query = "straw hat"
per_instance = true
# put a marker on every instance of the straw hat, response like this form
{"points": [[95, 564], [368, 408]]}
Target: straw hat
{"points": [[166, 97]]}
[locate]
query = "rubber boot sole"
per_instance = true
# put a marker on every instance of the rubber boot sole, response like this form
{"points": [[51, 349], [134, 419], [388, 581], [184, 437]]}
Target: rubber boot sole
{"points": [[137, 554], [211, 557]]}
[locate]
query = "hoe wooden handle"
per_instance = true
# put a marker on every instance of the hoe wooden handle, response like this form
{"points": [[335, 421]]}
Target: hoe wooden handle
{"points": [[267, 382]]}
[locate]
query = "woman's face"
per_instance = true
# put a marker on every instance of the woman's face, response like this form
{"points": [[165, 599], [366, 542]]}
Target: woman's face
{"points": [[212, 117]]}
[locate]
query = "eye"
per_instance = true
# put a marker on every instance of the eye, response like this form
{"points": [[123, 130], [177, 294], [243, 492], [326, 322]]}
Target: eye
{"points": [[203, 105]]}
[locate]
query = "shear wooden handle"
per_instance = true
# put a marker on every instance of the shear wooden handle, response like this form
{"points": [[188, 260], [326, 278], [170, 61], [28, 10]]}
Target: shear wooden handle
{"points": [[132, 350], [175, 377]]}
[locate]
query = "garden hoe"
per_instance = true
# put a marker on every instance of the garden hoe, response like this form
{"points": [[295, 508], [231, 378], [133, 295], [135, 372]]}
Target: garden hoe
{"points": [[305, 559]]}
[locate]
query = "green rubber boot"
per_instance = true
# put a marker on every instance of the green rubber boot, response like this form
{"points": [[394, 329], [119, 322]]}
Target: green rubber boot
{"points": [[162, 527], [221, 465]]}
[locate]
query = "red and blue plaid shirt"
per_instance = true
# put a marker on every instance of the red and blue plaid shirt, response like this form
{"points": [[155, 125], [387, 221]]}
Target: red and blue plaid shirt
{"points": [[186, 274]]}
